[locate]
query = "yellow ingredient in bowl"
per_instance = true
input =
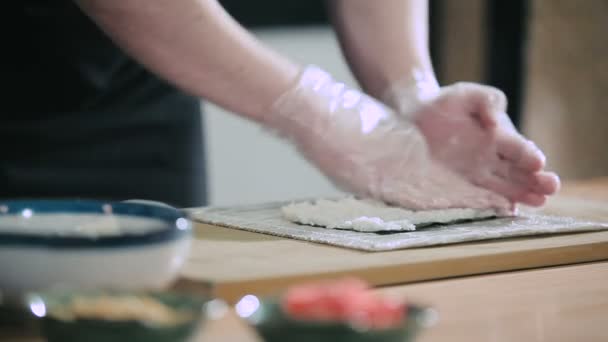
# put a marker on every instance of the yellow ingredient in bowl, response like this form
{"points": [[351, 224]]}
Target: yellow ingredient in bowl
{"points": [[122, 308]]}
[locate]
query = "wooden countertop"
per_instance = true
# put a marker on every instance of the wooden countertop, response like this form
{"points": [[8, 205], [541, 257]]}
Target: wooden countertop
{"points": [[565, 303], [568, 303], [234, 262]]}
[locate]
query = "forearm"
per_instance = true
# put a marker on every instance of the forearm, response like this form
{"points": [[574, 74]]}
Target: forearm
{"points": [[383, 41], [197, 46]]}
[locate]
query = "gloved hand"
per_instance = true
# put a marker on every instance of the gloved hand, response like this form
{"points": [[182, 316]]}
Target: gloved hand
{"points": [[365, 148], [468, 132]]}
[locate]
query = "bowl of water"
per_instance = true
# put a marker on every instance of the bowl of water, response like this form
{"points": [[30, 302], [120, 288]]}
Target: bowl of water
{"points": [[89, 244]]}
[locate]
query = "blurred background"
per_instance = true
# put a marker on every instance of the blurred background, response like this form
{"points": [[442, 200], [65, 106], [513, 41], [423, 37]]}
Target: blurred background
{"points": [[548, 56]]}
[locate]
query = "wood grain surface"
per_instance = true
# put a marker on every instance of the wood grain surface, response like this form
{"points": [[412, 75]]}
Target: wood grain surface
{"points": [[233, 263]]}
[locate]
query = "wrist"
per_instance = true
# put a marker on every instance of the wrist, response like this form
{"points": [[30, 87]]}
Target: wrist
{"points": [[298, 108], [318, 103], [416, 87]]}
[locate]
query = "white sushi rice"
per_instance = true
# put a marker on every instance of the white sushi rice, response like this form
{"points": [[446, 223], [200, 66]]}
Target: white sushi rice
{"points": [[372, 216]]}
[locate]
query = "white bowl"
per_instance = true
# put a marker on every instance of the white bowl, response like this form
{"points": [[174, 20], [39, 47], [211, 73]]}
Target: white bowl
{"points": [[89, 244]]}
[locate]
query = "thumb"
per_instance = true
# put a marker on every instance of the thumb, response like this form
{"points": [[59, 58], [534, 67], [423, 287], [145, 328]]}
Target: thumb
{"points": [[487, 104]]}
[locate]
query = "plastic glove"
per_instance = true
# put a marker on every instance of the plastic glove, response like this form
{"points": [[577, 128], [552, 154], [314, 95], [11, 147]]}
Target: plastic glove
{"points": [[365, 148], [468, 132]]}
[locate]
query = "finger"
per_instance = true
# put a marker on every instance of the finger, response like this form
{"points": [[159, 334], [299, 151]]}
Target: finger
{"points": [[542, 183], [448, 191], [547, 183], [489, 103], [469, 195], [505, 123], [479, 103], [522, 153], [465, 194], [504, 187], [512, 174]]}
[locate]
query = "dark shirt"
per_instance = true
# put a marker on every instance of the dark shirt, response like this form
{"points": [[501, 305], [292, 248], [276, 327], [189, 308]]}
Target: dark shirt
{"points": [[80, 118]]}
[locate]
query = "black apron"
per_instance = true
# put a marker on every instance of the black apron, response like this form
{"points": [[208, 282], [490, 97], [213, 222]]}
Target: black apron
{"points": [[82, 119]]}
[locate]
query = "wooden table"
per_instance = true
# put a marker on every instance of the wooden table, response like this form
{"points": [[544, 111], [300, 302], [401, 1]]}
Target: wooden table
{"points": [[233, 263], [568, 303], [565, 303]]}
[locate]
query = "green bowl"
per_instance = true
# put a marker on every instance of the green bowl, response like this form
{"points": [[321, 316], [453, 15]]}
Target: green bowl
{"points": [[273, 325], [54, 329]]}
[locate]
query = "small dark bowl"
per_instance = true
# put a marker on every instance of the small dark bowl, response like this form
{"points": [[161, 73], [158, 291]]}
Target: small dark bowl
{"points": [[273, 325], [99, 330]]}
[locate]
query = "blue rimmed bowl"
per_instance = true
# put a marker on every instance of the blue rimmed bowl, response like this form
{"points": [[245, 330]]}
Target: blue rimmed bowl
{"points": [[87, 244]]}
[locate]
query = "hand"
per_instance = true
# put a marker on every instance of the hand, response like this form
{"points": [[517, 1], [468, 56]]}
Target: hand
{"points": [[364, 147], [469, 133]]}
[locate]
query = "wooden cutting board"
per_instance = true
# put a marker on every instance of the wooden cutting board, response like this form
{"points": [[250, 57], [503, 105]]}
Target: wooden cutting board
{"points": [[231, 263]]}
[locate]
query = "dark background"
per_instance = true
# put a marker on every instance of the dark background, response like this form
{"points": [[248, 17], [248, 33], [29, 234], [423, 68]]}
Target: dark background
{"points": [[505, 25]]}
